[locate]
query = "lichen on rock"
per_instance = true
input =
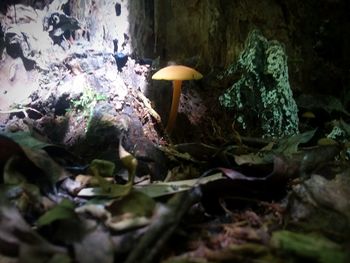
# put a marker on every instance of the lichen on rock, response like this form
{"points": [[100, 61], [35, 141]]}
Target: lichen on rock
{"points": [[262, 98]]}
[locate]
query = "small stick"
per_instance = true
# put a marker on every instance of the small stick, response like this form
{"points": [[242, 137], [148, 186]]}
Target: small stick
{"points": [[24, 110]]}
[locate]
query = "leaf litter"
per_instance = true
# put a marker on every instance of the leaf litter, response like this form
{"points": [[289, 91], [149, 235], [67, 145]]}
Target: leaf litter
{"points": [[226, 213], [118, 190]]}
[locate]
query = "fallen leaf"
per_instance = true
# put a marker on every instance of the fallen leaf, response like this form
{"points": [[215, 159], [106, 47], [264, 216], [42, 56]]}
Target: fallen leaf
{"points": [[64, 210], [18, 239], [95, 246], [308, 247]]}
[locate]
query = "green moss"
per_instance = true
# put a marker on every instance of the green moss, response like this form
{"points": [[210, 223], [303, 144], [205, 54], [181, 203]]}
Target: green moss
{"points": [[336, 133], [262, 98]]}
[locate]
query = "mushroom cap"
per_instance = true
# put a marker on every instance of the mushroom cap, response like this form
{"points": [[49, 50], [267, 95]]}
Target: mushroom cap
{"points": [[308, 115], [177, 72]]}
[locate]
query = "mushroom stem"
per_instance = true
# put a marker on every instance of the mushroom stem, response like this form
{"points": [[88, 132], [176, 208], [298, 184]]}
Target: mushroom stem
{"points": [[174, 105]]}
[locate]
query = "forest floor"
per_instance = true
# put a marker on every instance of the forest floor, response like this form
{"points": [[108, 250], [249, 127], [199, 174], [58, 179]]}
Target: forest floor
{"points": [[89, 174]]}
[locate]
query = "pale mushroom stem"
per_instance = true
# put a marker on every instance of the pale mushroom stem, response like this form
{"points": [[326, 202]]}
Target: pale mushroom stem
{"points": [[174, 105]]}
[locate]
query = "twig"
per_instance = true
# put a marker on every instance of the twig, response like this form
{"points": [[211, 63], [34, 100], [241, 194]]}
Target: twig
{"points": [[148, 105], [24, 110], [14, 8]]}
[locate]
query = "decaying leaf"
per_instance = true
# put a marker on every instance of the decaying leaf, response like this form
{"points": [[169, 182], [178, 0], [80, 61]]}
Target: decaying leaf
{"points": [[25, 139], [129, 211], [285, 147], [28, 165], [8, 149], [161, 229], [321, 102], [17, 239], [95, 246], [290, 144], [26, 197], [322, 205], [309, 247], [135, 203]]}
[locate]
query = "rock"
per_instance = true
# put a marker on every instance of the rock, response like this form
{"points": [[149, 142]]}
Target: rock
{"points": [[261, 98]]}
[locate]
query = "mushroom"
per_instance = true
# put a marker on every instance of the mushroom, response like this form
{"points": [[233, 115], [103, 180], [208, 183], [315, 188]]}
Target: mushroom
{"points": [[177, 74]]}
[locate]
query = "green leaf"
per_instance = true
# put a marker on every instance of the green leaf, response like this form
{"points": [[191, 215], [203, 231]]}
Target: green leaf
{"points": [[26, 139], [64, 210], [153, 189], [167, 188], [315, 248], [102, 167], [135, 203], [130, 211], [129, 162], [112, 190], [60, 258]]}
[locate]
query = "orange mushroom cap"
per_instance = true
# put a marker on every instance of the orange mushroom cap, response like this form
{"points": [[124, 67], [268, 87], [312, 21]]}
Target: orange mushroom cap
{"points": [[308, 115], [177, 72]]}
